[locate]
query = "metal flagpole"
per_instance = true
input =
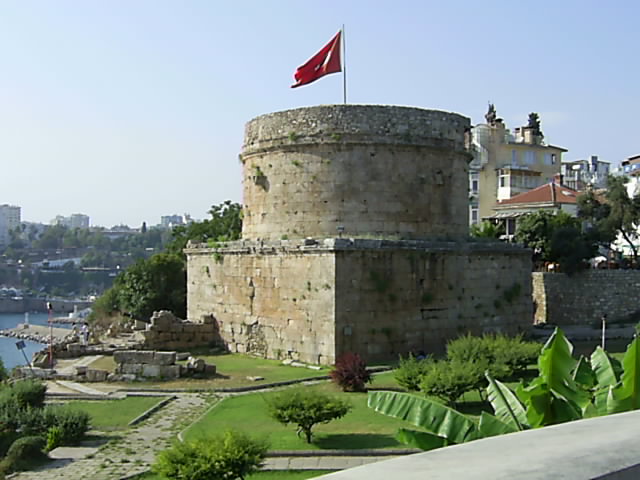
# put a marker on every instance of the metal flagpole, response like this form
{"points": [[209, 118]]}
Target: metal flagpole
{"points": [[50, 309], [344, 65]]}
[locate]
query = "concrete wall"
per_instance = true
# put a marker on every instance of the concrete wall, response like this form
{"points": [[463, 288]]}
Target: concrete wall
{"points": [[598, 448], [377, 171], [379, 298], [584, 297]]}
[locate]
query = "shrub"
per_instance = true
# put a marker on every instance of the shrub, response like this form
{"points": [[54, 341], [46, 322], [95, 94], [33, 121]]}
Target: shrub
{"points": [[23, 453], [73, 424], [448, 380], [306, 409], [501, 356], [230, 456], [3, 371], [350, 373], [25, 393], [54, 438], [410, 371]]}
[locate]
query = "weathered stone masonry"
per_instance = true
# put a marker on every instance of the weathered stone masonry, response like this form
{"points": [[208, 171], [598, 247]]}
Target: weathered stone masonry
{"points": [[393, 182], [583, 298]]}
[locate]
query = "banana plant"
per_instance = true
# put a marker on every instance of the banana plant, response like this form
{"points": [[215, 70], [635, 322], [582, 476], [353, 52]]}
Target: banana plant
{"points": [[565, 389]]}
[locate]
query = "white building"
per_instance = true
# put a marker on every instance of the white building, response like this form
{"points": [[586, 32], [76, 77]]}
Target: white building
{"points": [[9, 220], [76, 220], [578, 174]]}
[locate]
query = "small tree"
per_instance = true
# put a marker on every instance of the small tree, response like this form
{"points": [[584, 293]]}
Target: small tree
{"points": [[229, 456], [350, 373], [306, 409]]}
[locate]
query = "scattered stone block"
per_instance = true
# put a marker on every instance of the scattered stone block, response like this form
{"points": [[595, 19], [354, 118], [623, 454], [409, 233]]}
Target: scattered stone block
{"points": [[210, 369], [170, 371], [150, 371], [96, 375], [182, 356], [80, 370], [255, 379], [164, 358]]}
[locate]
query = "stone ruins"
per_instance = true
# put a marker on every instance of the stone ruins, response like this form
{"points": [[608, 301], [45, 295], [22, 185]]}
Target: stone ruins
{"points": [[355, 238]]}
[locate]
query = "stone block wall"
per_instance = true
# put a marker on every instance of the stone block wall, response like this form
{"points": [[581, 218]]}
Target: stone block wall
{"points": [[391, 172], [147, 363], [584, 297], [379, 298], [274, 300], [166, 331]]}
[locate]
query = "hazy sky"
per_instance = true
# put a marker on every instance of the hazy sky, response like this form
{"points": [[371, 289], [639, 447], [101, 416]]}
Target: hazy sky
{"points": [[127, 110]]}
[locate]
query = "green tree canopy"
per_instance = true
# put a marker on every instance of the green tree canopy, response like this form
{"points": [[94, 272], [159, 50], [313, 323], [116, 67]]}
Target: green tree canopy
{"points": [[614, 213], [557, 238]]}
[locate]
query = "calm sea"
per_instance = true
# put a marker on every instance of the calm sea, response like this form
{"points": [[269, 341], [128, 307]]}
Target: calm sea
{"points": [[11, 356]]}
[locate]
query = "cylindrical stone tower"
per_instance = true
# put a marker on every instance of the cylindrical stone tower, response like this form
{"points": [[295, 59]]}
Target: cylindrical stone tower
{"points": [[357, 170]]}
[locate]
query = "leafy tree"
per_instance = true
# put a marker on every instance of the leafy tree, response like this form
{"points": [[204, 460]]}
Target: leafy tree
{"points": [[534, 123], [229, 456], [486, 230], [224, 225], [306, 409], [616, 213], [556, 237], [159, 283]]}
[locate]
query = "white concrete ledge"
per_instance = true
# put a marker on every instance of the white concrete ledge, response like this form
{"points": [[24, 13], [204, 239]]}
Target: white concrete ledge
{"points": [[599, 448]]}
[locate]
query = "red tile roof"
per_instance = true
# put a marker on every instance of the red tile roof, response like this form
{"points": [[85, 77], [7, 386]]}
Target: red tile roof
{"points": [[551, 193]]}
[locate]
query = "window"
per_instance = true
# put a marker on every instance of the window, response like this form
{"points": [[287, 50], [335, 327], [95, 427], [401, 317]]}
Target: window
{"points": [[474, 215], [529, 157], [474, 186], [503, 180], [514, 158], [549, 158]]}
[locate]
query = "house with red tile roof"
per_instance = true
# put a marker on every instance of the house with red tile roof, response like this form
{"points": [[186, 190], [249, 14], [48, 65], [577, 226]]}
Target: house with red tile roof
{"points": [[552, 196]]}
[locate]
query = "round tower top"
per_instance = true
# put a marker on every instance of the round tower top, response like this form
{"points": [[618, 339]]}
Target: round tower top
{"points": [[379, 124]]}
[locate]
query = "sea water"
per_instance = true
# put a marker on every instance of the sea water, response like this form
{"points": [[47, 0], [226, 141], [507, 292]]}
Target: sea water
{"points": [[9, 353]]}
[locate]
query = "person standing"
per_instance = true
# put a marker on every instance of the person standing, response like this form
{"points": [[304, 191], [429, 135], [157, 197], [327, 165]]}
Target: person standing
{"points": [[84, 333]]}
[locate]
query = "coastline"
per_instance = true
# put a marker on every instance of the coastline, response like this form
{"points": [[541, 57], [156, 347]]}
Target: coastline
{"points": [[37, 333]]}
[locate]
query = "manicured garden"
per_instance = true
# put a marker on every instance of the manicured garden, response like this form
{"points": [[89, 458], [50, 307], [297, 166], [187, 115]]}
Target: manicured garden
{"points": [[233, 370], [107, 415], [360, 428]]}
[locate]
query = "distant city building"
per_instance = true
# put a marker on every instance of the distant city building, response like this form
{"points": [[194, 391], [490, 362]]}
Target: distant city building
{"points": [[506, 164], [579, 174], [170, 221], [75, 220], [9, 220]]}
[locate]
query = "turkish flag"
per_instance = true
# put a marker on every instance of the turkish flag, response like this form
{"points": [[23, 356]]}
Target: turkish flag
{"points": [[324, 62]]}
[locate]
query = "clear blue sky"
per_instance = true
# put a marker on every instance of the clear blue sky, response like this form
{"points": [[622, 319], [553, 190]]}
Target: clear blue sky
{"points": [[127, 110]]}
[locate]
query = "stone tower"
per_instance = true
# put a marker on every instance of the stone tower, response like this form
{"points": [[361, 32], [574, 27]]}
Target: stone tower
{"points": [[355, 239]]}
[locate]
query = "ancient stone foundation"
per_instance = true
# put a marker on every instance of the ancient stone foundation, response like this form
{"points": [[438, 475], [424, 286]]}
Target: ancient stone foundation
{"points": [[166, 331], [355, 239]]}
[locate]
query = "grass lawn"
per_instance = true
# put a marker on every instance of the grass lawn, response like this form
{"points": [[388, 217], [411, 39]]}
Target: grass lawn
{"points": [[360, 428], [109, 415], [272, 475], [232, 371]]}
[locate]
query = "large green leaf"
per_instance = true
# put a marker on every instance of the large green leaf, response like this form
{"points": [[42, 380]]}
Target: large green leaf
{"points": [[556, 365], [544, 406], [506, 405], [603, 368], [626, 396], [422, 412], [421, 440], [583, 374], [490, 426]]}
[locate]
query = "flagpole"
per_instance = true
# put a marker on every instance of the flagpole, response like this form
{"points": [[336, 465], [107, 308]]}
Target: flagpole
{"points": [[344, 65]]}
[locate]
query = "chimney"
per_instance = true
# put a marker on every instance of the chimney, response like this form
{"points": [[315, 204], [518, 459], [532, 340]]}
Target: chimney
{"points": [[558, 179]]}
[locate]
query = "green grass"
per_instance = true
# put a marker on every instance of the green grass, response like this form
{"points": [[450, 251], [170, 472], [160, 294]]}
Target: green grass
{"points": [[109, 415], [233, 370], [360, 428], [272, 475]]}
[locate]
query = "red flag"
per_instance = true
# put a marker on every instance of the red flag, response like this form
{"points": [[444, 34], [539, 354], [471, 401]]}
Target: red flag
{"points": [[324, 62]]}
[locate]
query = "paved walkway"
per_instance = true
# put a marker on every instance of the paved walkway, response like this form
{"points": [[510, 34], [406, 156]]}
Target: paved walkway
{"points": [[131, 454], [323, 462]]}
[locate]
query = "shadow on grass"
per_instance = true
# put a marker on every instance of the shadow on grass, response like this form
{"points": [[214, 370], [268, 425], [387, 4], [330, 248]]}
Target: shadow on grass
{"points": [[352, 441]]}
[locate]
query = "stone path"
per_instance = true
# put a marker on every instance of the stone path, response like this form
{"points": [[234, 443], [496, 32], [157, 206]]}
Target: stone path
{"points": [[131, 454], [324, 462]]}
